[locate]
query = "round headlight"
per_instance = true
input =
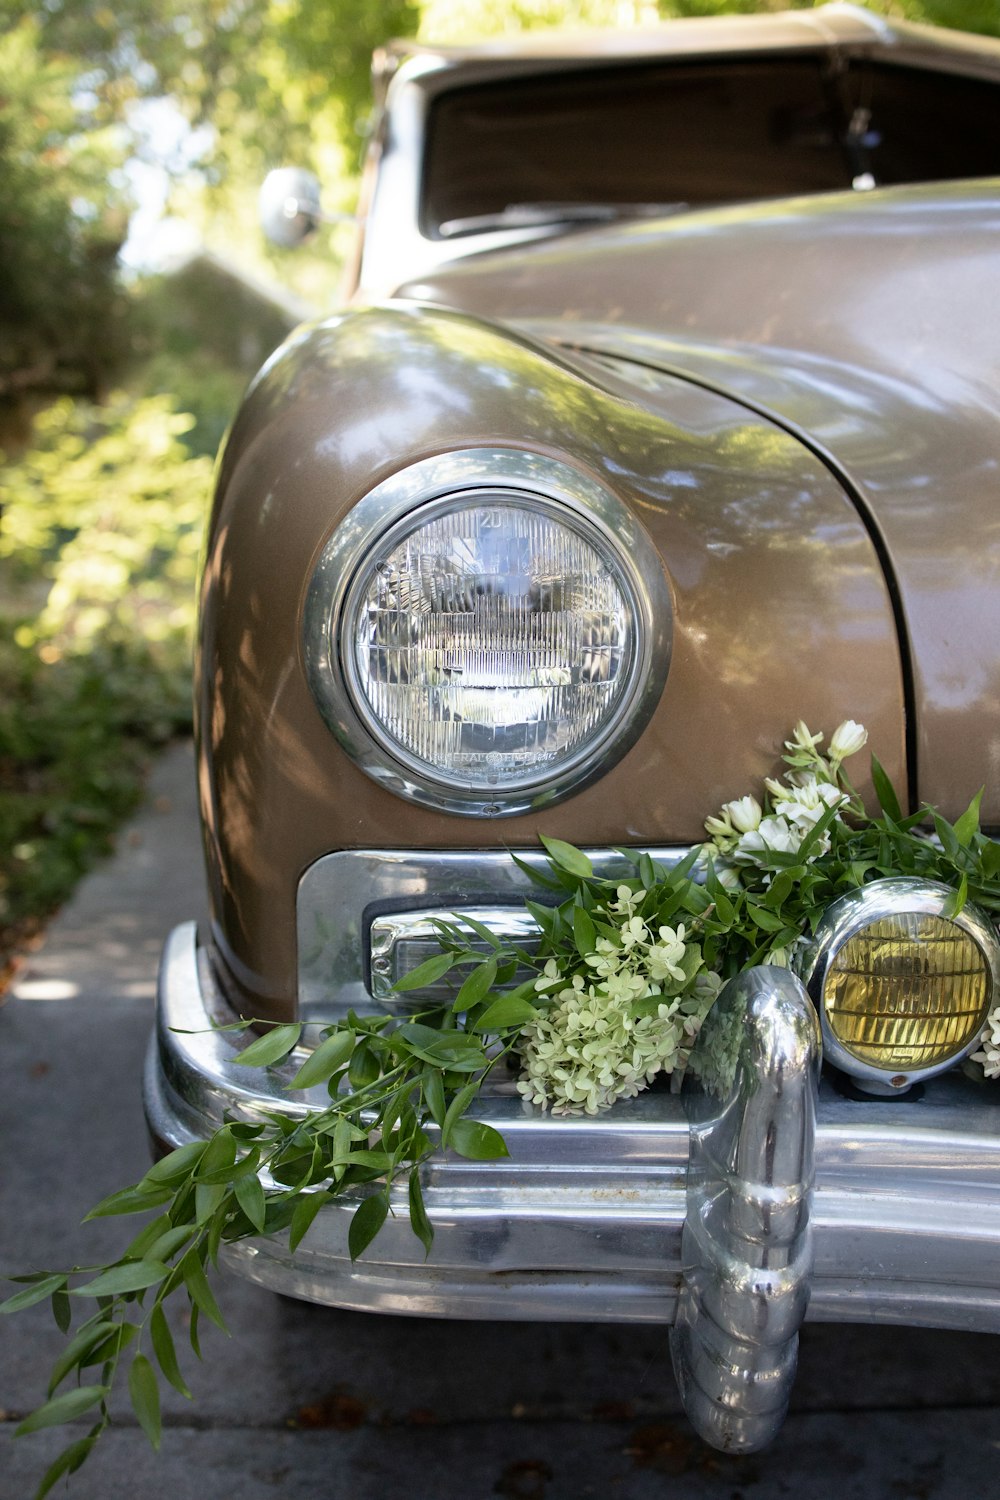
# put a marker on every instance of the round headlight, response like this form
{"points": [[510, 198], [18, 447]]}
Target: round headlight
{"points": [[902, 986], [487, 630]]}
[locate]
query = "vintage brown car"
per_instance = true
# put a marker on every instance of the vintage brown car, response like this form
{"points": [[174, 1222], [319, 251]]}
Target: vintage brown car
{"points": [[665, 413]]}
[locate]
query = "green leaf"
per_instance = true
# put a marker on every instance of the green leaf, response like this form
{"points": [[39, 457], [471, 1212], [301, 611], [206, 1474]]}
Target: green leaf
{"points": [[567, 857], [957, 899], [168, 1243], [946, 834], [88, 1337], [199, 1290], [476, 986], [507, 1010], [476, 1141], [456, 1109], [419, 1222], [479, 928], [250, 1197], [968, 823], [454, 1051], [364, 1066], [885, 791], [64, 1408], [176, 1165], [331, 1055], [584, 932], [306, 1210], [536, 876], [68, 1462], [207, 1198], [118, 1339], [271, 1047], [36, 1292], [765, 920], [427, 973], [432, 1087], [647, 871], [134, 1276], [144, 1392], [163, 1348], [366, 1222], [129, 1200], [193, 1324], [62, 1310]]}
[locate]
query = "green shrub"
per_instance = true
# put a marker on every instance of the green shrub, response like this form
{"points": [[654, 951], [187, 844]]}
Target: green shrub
{"points": [[98, 560]]}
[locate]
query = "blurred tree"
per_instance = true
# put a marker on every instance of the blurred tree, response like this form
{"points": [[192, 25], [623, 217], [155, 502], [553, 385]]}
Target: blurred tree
{"points": [[62, 221]]}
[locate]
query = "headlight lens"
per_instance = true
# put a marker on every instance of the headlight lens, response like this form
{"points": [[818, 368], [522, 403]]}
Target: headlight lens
{"points": [[907, 991], [497, 626], [903, 987], [490, 642]]}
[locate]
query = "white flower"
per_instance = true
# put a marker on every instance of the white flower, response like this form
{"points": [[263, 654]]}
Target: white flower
{"points": [[848, 739], [774, 833], [633, 931], [802, 738], [988, 1056], [744, 813], [626, 900], [550, 976], [719, 828], [806, 802]]}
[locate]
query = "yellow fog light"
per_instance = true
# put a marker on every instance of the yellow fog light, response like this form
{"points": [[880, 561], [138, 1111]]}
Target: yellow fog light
{"points": [[902, 986]]}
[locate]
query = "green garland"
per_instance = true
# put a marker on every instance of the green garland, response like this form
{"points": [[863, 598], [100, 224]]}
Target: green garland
{"points": [[623, 974]]}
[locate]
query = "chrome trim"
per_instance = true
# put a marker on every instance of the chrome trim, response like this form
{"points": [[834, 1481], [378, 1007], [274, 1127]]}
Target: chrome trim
{"points": [[747, 1241], [399, 941], [843, 918], [341, 894], [449, 480], [584, 1220]]}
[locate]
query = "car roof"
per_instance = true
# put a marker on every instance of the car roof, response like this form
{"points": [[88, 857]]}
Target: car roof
{"points": [[828, 26]]}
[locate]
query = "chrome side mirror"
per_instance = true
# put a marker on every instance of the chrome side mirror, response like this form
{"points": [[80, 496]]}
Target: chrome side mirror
{"points": [[289, 205]]}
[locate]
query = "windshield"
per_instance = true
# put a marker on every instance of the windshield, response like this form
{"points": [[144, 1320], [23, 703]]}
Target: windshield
{"points": [[698, 133]]}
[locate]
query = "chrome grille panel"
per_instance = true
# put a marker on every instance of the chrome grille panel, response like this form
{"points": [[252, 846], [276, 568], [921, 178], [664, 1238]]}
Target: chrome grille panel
{"points": [[343, 896]]}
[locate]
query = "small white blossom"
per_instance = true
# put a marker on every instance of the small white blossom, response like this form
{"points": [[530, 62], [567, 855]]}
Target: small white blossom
{"points": [[988, 1056], [720, 828], [848, 739], [626, 900], [744, 813], [802, 738], [633, 931], [805, 803], [775, 834]]}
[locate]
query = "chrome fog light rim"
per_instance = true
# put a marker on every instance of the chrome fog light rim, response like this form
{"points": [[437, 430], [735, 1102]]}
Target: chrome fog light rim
{"points": [[849, 916], [426, 488]]}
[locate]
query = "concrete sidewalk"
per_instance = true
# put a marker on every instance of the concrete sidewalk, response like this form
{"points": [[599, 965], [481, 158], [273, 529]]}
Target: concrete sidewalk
{"points": [[312, 1404]]}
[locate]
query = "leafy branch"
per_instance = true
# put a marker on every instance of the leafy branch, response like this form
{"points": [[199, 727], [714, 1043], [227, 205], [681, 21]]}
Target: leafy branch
{"points": [[624, 971]]}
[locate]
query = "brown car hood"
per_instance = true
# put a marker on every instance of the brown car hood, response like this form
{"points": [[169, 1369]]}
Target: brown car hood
{"points": [[869, 325]]}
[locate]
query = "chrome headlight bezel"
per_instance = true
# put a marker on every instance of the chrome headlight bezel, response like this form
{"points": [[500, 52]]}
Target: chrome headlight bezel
{"points": [[849, 915], [424, 489]]}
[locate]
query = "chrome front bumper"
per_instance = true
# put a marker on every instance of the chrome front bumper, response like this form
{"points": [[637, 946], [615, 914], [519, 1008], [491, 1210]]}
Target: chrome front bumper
{"points": [[597, 1220]]}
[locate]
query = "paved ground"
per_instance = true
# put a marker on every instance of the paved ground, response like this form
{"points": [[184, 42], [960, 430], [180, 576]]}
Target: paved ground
{"points": [[310, 1404]]}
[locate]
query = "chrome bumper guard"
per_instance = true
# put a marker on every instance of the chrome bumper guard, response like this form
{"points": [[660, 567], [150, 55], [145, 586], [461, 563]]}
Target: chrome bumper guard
{"points": [[601, 1220]]}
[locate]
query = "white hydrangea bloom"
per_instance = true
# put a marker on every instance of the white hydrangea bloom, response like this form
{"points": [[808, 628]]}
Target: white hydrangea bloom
{"points": [[988, 1056]]}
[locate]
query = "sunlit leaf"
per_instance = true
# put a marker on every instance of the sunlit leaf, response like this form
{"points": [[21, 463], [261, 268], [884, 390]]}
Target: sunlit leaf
{"points": [[271, 1047]]}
